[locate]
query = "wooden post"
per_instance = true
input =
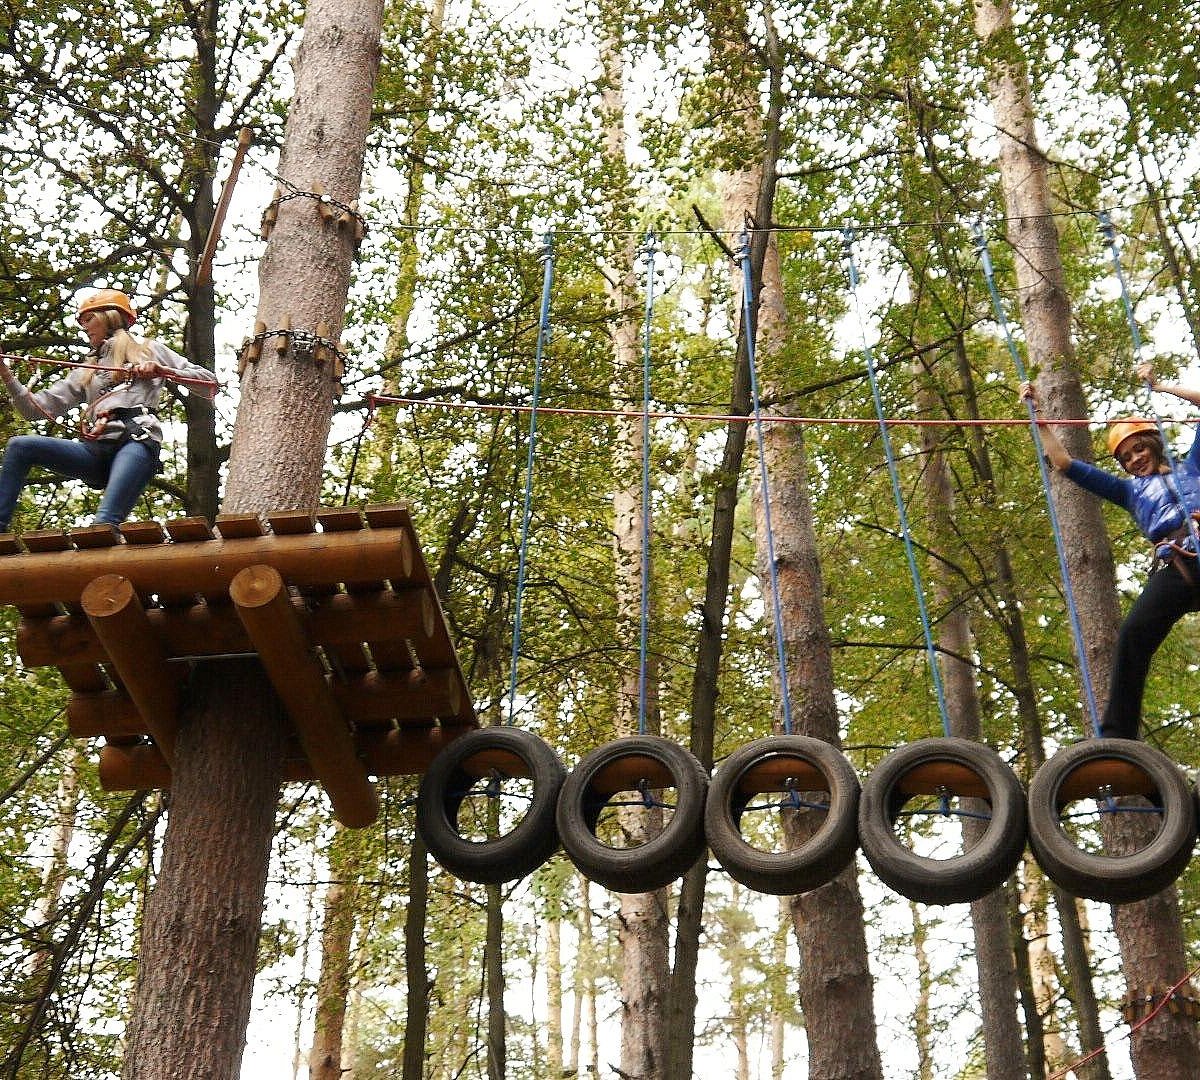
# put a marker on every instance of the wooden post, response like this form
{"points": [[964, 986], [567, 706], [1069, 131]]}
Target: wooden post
{"points": [[262, 603], [120, 622]]}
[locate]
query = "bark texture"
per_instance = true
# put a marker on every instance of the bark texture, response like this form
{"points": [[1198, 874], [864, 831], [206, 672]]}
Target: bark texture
{"points": [[203, 919], [835, 985], [283, 420]]}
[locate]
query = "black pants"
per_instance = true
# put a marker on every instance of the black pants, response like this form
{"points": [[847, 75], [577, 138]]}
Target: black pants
{"points": [[1166, 598]]}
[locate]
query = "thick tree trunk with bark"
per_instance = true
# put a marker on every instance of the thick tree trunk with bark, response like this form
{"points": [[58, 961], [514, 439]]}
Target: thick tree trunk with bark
{"points": [[1149, 933], [203, 920], [836, 990], [282, 424]]}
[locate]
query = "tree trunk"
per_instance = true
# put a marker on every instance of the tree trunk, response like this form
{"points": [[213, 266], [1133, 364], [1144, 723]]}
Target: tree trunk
{"points": [[333, 983], [54, 877], [1008, 615], [279, 437], [554, 992], [642, 919], [202, 925], [995, 966], [203, 919], [1149, 932], [922, 1010], [416, 973], [835, 981], [493, 961]]}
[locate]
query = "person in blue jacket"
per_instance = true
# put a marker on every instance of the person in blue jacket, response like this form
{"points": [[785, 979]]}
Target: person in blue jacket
{"points": [[1161, 501]]}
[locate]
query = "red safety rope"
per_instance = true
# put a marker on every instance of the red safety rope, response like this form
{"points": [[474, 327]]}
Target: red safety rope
{"points": [[384, 399], [1067, 1070]]}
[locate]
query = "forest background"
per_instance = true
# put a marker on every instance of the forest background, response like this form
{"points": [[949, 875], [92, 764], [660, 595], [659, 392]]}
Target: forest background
{"points": [[598, 124]]}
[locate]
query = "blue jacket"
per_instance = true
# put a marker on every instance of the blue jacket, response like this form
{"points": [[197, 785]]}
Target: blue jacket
{"points": [[1157, 502]]}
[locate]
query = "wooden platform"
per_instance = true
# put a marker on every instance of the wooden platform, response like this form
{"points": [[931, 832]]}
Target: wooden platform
{"points": [[337, 605]]}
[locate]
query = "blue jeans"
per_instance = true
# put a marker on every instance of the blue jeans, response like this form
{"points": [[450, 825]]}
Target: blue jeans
{"points": [[122, 471]]}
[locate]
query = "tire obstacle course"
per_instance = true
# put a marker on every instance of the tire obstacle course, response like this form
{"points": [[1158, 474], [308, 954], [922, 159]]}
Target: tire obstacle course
{"points": [[339, 608]]}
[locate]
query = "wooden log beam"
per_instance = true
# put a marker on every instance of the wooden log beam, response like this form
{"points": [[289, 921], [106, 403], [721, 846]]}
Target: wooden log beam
{"points": [[260, 597], [207, 565], [111, 605], [405, 752], [209, 630]]}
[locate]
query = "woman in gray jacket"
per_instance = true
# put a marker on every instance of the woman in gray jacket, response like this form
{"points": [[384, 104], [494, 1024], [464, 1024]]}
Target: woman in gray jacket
{"points": [[120, 436]]}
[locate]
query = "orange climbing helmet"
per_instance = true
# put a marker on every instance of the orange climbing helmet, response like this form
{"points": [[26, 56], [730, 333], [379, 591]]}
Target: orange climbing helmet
{"points": [[1126, 429], [106, 299]]}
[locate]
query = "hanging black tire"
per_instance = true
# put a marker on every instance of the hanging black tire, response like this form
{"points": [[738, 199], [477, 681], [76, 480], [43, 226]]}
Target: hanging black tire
{"points": [[645, 764], [943, 768], [1105, 769], [784, 764], [478, 764]]}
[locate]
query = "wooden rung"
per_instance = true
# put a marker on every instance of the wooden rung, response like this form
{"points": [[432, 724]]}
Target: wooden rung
{"points": [[143, 532], [110, 713], [340, 519], [9, 544], [943, 778], [84, 678], [1100, 777], [406, 751], [781, 774], [208, 568], [95, 536], [133, 768], [239, 526], [626, 773], [292, 522], [189, 530], [117, 616], [140, 766], [388, 516], [261, 599], [47, 540]]}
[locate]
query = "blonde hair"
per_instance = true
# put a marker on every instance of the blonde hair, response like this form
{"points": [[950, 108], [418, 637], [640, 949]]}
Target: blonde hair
{"points": [[124, 351]]}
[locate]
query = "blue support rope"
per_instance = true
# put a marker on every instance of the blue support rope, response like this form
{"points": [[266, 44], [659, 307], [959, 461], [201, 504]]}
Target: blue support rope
{"points": [[1110, 238], [889, 454], [648, 250], [749, 327], [985, 259], [542, 337]]}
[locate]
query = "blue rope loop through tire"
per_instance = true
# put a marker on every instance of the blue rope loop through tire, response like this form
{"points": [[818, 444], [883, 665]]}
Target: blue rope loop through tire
{"points": [[1107, 769], [476, 765], [645, 764], [944, 768], [792, 773]]}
